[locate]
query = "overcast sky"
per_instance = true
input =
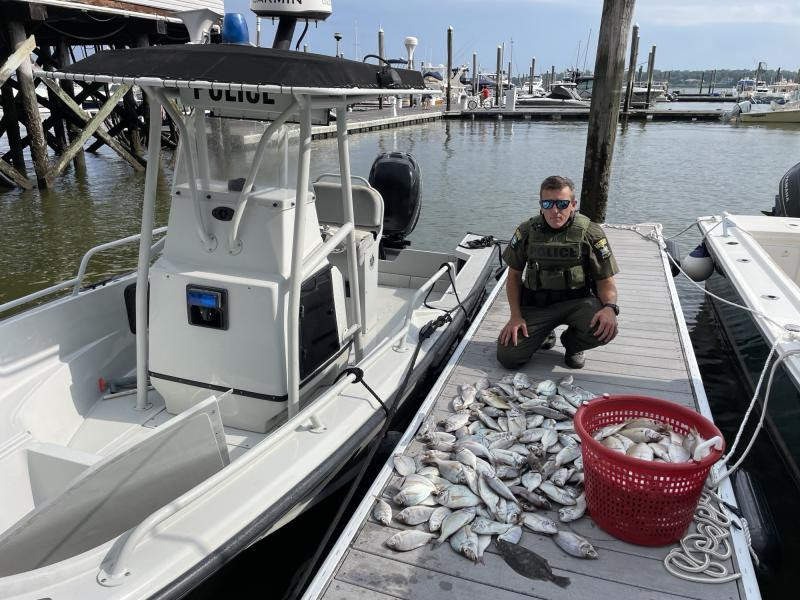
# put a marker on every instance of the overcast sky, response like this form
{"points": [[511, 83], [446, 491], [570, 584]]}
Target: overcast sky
{"points": [[689, 34]]}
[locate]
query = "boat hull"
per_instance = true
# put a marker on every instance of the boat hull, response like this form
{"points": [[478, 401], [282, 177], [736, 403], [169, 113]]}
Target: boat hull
{"points": [[773, 116]]}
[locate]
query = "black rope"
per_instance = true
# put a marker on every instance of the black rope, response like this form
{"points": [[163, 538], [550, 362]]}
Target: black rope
{"points": [[359, 378], [424, 333]]}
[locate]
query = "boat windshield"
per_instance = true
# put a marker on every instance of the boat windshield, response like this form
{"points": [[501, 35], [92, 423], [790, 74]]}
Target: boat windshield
{"points": [[226, 149]]}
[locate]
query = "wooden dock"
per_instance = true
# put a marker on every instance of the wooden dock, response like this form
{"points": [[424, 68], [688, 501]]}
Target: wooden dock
{"points": [[373, 120], [651, 356], [582, 114]]}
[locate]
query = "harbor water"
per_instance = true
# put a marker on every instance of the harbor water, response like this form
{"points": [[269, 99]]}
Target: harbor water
{"points": [[478, 176]]}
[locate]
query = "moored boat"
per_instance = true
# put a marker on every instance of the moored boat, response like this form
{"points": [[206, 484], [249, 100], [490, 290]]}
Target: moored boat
{"points": [[245, 331]]}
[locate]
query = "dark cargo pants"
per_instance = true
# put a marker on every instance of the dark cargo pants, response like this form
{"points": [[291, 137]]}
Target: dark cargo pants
{"points": [[576, 314]]}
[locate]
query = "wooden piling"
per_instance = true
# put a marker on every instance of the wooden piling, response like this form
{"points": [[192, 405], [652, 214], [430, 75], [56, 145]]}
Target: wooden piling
{"points": [[650, 64], [30, 106], [631, 68], [533, 74], [702, 76], [604, 111], [497, 82], [713, 83], [448, 76], [552, 76], [73, 131]]}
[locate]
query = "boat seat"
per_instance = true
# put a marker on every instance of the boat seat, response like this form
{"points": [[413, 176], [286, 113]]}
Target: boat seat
{"points": [[115, 493], [367, 205]]}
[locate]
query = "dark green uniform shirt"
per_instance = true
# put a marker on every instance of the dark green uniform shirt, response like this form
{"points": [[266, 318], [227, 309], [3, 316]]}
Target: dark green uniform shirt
{"points": [[598, 261]]}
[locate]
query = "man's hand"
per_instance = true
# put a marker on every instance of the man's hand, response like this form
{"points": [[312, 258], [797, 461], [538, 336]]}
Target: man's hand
{"points": [[510, 332], [604, 323]]}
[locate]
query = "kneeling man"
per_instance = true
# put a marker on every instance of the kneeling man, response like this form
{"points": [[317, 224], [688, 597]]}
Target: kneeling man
{"points": [[560, 272]]}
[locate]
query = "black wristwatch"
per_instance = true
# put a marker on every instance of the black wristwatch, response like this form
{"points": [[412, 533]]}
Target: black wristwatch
{"points": [[613, 307]]}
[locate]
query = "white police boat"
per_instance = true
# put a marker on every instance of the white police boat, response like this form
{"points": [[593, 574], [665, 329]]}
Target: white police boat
{"points": [[244, 330]]}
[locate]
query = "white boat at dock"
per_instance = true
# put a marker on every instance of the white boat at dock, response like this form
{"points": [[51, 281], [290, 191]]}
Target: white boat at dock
{"points": [[245, 332]]}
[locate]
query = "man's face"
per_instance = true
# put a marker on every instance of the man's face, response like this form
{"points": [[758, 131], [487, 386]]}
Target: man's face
{"points": [[557, 217]]}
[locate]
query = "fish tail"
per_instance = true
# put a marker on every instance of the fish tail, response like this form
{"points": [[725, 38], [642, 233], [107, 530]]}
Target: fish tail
{"points": [[561, 582]]}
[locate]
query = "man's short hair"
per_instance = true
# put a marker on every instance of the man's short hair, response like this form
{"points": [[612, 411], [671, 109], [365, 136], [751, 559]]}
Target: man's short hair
{"points": [[558, 183]]}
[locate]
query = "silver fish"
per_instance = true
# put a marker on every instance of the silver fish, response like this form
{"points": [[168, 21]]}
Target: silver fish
{"points": [[427, 425], [410, 539], [417, 479], [453, 522], [513, 535], [548, 468], [625, 441], [574, 545], [533, 435], [466, 457], [677, 453], [437, 516], [533, 421], [482, 384], [465, 542], [546, 388], [561, 475], [548, 412], [507, 388], [493, 399], [382, 512], [483, 526], [431, 455], [481, 467], [513, 512], [573, 513], [471, 479], [556, 494], [414, 515], [531, 481], [648, 423], [454, 422], [555, 448], [516, 423], [458, 496], [567, 455], [503, 423], [493, 412], [641, 435], [404, 465], [488, 495], [477, 449], [521, 381], [608, 430], [534, 499], [502, 510], [500, 488], [538, 523], [661, 451], [486, 419], [641, 451], [412, 495], [506, 472], [442, 446], [452, 470], [435, 437], [549, 438], [562, 405]]}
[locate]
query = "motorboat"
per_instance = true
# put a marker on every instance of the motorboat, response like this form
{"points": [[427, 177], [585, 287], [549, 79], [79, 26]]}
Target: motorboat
{"points": [[562, 94], [434, 78], [756, 261], [154, 425], [786, 112]]}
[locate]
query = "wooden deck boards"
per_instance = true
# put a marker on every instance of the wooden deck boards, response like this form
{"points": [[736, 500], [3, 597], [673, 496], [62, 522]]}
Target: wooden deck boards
{"points": [[647, 358]]}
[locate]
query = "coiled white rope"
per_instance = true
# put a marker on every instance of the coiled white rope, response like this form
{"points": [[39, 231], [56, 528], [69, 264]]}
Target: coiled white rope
{"points": [[700, 555]]}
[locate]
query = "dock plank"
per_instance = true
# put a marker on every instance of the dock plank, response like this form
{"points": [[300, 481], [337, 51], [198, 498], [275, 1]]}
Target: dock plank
{"points": [[646, 358]]}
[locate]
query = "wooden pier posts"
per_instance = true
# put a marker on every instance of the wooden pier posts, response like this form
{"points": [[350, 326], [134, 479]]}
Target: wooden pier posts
{"points": [[30, 106], [552, 76], [449, 74], [631, 68], [604, 111], [382, 54], [533, 74], [702, 76], [650, 64]]}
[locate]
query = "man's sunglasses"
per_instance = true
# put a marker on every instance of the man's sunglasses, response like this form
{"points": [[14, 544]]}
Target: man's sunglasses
{"points": [[560, 204]]}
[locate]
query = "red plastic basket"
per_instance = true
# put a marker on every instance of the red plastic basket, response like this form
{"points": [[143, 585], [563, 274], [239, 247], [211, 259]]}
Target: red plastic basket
{"points": [[642, 502]]}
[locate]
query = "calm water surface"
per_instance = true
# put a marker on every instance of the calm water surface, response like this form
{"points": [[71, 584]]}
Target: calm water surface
{"points": [[480, 177]]}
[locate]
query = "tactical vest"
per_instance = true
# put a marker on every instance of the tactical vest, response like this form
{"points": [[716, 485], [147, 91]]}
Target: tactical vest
{"points": [[555, 258]]}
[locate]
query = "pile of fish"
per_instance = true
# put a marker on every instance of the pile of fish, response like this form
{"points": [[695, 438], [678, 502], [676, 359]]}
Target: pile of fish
{"points": [[649, 439], [507, 454]]}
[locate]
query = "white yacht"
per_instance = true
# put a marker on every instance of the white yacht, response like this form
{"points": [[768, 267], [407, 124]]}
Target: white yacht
{"points": [[245, 332]]}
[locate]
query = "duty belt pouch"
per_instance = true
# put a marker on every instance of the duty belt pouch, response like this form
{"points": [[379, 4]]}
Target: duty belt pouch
{"points": [[576, 277], [552, 279]]}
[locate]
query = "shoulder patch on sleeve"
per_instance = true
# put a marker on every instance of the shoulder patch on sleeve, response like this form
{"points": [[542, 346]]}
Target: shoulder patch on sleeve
{"points": [[601, 247], [515, 239]]}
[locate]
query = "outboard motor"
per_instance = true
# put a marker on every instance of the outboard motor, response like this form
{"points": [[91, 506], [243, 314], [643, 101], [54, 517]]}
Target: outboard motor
{"points": [[787, 201], [397, 176]]}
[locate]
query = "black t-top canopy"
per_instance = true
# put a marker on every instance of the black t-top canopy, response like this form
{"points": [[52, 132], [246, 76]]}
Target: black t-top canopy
{"points": [[235, 64]]}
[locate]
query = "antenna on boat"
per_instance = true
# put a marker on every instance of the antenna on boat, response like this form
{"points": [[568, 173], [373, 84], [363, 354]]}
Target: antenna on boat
{"points": [[288, 14]]}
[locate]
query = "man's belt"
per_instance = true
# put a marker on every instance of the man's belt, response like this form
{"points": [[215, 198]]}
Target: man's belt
{"points": [[542, 298]]}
